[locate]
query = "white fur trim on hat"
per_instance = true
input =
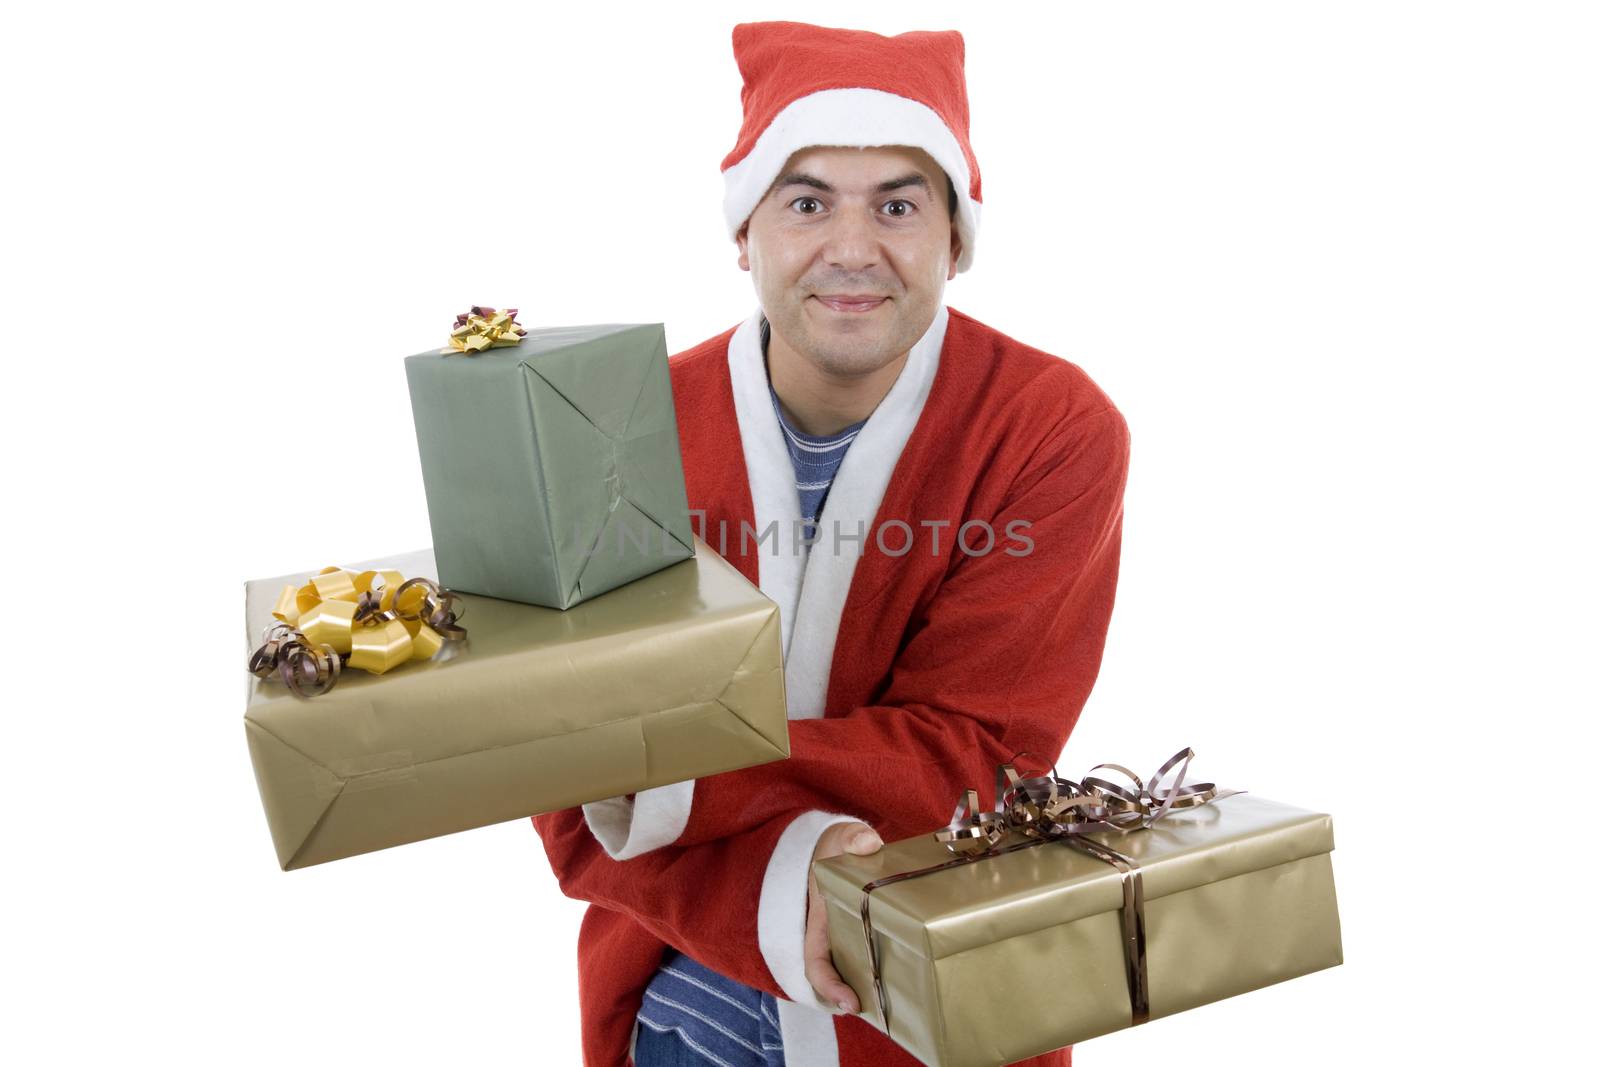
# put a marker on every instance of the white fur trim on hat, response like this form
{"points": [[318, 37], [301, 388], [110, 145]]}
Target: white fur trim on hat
{"points": [[852, 118]]}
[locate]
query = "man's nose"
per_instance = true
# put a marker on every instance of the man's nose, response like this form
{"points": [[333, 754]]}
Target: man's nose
{"points": [[851, 242]]}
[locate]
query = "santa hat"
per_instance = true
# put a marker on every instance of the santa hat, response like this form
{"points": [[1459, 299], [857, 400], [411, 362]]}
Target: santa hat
{"points": [[811, 85]]}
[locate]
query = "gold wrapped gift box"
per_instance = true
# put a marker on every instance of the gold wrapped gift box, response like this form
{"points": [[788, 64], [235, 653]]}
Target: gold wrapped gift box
{"points": [[993, 961], [673, 676]]}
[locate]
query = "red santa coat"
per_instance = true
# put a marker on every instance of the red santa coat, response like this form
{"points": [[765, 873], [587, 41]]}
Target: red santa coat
{"points": [[910, 671]]}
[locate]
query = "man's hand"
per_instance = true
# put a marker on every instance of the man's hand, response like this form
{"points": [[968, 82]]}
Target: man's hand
{"points": [[858, 839]]}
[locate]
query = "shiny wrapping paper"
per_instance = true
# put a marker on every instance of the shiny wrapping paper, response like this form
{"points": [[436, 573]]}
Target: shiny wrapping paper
{"points": [[1011, 956], [551, 466], [676, 675]]}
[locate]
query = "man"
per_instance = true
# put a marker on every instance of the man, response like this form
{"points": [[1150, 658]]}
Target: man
{"points": [[944, 583]]}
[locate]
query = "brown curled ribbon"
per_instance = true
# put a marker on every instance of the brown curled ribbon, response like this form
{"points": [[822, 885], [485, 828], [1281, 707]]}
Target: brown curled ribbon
{"points": [[374, 621], [305, 668], [483, 328], [1046, 808]]}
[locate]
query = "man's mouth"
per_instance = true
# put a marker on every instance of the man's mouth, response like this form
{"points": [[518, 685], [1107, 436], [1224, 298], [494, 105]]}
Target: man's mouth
{"points": [[851, 303]]}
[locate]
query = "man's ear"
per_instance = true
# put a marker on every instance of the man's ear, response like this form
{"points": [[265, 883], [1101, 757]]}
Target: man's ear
{"points": [[743, 237], [955, 252]]}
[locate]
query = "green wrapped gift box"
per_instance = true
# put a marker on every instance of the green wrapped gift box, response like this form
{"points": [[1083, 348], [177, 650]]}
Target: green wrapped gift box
{"points": [[551, 467]]}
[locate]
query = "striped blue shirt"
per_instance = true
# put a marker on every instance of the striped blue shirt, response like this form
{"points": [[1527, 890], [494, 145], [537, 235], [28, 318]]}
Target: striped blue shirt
{"points": [[726, 1023], [816, 458]]}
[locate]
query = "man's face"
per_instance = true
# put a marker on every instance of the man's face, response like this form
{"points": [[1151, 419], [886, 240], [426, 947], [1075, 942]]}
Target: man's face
{"points": [[868, 223]]}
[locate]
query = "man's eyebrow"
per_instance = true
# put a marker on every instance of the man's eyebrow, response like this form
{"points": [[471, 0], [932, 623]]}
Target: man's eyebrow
{"points": [[905, 181]]}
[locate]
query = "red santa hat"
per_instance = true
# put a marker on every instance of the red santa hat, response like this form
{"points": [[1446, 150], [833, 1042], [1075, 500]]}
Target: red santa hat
{"points": [[812, 85]]}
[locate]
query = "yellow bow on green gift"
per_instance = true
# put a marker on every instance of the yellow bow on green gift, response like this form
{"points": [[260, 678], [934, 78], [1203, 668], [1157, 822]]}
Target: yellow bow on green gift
{"points": [[483, 328], [373, 621]]}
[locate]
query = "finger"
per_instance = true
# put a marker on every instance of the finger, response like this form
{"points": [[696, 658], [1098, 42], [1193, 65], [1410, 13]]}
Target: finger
{"points": [[864, 843], [832, 988]]}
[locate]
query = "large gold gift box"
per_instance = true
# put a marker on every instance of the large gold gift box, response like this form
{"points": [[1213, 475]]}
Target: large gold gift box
{"points": [[673, 676], [1015, 954]]}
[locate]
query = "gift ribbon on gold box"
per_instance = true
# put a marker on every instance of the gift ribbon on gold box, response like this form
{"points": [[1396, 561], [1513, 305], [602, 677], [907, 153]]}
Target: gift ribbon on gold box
{"points": [[374, 621], [1048, 808]]}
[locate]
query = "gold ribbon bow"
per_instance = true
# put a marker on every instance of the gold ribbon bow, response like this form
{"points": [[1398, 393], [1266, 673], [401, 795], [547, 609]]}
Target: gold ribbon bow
{"points": [[483, 328], [374, 621], [1045, 808]]}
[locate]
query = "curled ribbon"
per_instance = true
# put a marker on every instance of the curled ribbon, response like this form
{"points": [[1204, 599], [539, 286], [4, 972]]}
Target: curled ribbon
{"points": [[483, 328], [1045, 808], [1050, 806], [374, 621], [305, 668]]}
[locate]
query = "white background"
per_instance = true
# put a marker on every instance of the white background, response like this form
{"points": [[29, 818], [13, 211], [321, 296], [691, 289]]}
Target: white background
{"points": [[1335, 262]]}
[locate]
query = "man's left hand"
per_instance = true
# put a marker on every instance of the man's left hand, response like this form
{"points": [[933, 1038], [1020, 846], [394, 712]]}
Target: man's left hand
{"points": [[858, 839]]}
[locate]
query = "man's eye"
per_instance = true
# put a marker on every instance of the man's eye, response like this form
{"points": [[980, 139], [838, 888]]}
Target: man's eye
{"points": [[909, 207], [807, 200]]}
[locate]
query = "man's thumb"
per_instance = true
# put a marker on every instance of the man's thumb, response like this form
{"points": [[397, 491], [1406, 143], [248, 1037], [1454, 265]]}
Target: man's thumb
{"points": [[864, 843]]}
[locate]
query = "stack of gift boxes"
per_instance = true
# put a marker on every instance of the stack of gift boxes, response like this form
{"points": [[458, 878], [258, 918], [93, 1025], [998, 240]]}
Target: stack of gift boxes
{"points": [[569, 639], [603, 649]]}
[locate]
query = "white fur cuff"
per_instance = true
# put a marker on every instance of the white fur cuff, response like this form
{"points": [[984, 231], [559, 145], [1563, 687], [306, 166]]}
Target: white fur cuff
{"points": [[653, 818]]}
